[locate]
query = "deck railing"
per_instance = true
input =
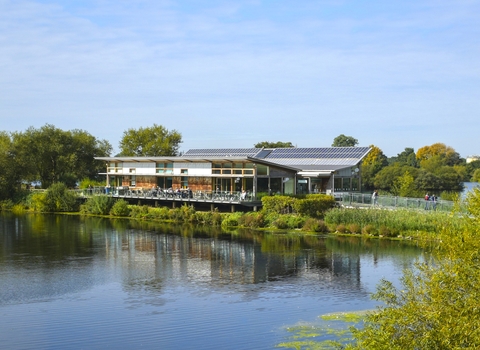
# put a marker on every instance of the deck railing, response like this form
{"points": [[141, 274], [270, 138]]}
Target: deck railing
{"points": [[169, 194]]}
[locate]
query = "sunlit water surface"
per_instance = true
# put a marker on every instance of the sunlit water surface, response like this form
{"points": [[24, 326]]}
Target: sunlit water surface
{"points": [[88, 283]]}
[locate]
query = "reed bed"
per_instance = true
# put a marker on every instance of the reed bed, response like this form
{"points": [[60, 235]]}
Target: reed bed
{"points": [[390, 222]]}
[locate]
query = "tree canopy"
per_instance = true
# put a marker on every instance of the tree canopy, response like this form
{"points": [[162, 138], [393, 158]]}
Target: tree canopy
{"points": [[49, 155], [278, 144], [344, 141], [153, 141], [446, 154], [373, 162]]}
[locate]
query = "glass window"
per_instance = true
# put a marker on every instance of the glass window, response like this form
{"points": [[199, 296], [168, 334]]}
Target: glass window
{"points": [[262, 169]]}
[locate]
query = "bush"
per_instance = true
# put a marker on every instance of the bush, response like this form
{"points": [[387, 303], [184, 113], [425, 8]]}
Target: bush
{"points": [[354, 228], [384, 231], [315, 225], [231, 220], [252, 219], [120, 208], [139, 212], [57, 198], [6, 204], [369, 230], [98, 205], [278, 204], [281, 223], [295, 221], [314, 206]]}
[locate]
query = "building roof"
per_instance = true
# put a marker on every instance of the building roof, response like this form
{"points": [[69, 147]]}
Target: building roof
{"points": [[325, 159], [322, 159]]}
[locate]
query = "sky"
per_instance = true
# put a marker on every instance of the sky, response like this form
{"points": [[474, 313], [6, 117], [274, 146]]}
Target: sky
{"points": [[230, 74]]}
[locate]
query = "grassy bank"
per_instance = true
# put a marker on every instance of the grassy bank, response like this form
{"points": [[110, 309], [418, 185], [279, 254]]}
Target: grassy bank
{"points": [[310, 214]]}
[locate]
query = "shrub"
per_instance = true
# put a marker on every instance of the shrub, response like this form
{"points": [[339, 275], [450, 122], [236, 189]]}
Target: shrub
{"points": [[384, 231], [120, 208], [314, 206], [278, 204], [281, 223], [341, 228], [315, 225], [139, 212], [58, 198], [252, 219], [295, 221], [354, 228], [369, 230], [6, 204], [161, 213], [231, 220], [97, 205]]}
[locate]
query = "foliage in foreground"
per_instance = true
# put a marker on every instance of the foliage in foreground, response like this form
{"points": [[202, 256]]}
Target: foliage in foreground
{"points": [[437, 306], [57, 198]]}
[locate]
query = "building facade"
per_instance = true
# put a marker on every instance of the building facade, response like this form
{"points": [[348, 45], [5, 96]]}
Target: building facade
{"points": [[256, 170]]}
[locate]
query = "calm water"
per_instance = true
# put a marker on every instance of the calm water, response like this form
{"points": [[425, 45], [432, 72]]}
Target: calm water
{"points": [[73, 283]]}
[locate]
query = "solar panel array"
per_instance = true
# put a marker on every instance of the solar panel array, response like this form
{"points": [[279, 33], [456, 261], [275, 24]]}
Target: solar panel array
{"points": [[222, 152], [302, 158], [319, 153]]}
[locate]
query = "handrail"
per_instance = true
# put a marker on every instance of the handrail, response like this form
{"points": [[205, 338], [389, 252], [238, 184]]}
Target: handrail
{"points": [[169, 194], [366, 200]]}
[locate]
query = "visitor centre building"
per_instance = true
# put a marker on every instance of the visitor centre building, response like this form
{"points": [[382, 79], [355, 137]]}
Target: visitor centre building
{"points": [[256, 170]]}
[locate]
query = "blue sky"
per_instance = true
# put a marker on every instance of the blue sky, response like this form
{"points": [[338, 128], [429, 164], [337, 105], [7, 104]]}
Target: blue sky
{"points": [[394, 74]]}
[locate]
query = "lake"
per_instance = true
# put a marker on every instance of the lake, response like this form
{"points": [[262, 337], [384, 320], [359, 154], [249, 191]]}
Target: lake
{"points": [[69, 282]]}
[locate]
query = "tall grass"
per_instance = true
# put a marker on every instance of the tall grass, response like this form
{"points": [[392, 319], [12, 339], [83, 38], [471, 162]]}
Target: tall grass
{"points": [[400, 220]]}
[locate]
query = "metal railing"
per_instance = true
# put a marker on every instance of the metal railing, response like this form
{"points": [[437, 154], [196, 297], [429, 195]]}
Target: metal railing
{"points": [[366, 200], [169, 194]]}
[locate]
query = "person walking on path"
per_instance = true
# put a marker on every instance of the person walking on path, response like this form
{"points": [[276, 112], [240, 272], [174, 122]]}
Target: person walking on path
{"points": [[427, 198], [433, 198], [375, 198]]}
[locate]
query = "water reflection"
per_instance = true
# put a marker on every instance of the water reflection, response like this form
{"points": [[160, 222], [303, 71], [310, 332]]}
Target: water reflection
{"points": [[171, 271]]}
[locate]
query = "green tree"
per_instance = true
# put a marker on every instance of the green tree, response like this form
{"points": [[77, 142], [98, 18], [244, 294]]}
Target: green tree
{"points": [[10, 171], [436, 306], [278, 144], [53, 155], [407, 157], [57, 198], [373, 162], [471, 169], [476, 176], [344, 141], [404, 186], [386, 178], [150, 142]]}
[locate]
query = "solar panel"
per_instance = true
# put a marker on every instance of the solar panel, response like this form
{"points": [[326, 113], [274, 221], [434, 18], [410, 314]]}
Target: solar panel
{"points": [[222, 152], [315, 153]]}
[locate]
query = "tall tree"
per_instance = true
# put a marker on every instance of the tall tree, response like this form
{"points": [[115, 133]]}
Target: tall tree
{"points": [[278, 144], [150, 142], [445, 153], [373, 162], [407, 157], [53, 155], [10, 173], [344, 141]]}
